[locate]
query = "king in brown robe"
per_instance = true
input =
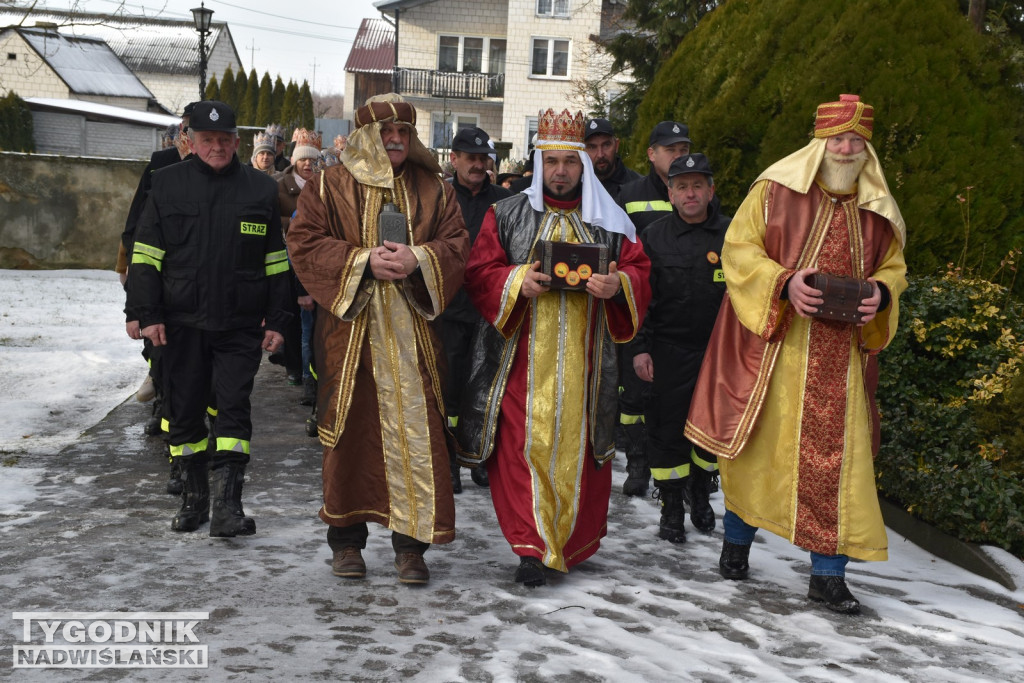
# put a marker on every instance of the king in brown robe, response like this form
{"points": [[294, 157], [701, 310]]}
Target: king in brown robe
{"points": [[380, 409]]}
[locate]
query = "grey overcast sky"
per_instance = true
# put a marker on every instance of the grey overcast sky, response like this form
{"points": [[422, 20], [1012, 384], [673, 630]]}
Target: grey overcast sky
{"points": [[300, 40]]}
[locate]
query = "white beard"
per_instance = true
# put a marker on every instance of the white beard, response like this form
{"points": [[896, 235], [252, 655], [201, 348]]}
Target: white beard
{"points": [[838, 176]]}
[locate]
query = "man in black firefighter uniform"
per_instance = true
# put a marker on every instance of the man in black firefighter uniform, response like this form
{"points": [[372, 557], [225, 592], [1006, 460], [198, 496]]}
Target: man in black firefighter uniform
{"points": [[476, 193], [603, 150], [645, 201], [208, 267], [156, 424], [687, 285]]}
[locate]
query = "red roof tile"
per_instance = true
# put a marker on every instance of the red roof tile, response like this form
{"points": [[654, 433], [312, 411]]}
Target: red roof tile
{"points": [[373, 50]]}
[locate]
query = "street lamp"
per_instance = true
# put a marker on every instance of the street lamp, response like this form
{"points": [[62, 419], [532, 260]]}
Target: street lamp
{"points": [[201, 17]]}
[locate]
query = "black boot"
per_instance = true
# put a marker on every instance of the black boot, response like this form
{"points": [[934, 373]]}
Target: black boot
{"points": [[456, 473], [311, 429], [833, 592], [228, 518], [696, 491], [479, 476], [175, 485], [308, 392], [530, 572], [153, 427], [620, 436], [733, 562], [673, 511], [637, 471], [195, 495]]}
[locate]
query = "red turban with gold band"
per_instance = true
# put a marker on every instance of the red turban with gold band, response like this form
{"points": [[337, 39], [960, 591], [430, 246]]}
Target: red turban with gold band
{"points": [[399, 112], [848, 114]]}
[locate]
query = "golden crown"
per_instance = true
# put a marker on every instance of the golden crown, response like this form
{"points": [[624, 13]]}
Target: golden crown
{"points": [[306, 138], [560, 131], [511, 166]]}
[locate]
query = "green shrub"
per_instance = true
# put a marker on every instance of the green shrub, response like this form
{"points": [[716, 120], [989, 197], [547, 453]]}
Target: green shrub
{"points": [[16, 130], [952, 402]]}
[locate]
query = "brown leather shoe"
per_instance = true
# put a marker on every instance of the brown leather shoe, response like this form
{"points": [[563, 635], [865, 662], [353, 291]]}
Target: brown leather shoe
{"points": [[348, 562], [411, 568]]}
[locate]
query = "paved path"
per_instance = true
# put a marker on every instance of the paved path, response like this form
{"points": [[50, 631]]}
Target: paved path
{"points": [[97, 538]]}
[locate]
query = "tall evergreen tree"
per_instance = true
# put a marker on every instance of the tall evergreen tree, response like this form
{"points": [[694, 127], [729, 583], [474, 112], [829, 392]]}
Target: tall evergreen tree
{"points": [[948, 111], [652, 31], [277, 102], [307, 118], [212, 89], [227, 88], [241, 85], [290, 113], [247, 105], [264, 105]]}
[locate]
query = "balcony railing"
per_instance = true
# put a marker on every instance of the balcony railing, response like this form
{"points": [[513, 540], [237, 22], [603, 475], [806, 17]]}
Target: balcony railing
{"points": [[450, 84]]}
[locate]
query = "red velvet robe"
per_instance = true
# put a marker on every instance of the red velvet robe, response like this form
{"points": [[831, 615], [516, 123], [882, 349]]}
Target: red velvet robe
{"points": [[549, 489]]}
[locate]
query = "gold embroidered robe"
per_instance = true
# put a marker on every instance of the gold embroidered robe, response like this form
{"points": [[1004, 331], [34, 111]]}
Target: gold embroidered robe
{"points": [[787, 402], [380, 408]]}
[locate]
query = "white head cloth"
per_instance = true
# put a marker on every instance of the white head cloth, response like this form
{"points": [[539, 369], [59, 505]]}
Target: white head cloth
{"points": [[596, 206]]}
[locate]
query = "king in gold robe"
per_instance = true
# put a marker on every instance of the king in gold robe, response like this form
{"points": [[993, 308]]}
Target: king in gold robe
{"points": [[787, 402]]}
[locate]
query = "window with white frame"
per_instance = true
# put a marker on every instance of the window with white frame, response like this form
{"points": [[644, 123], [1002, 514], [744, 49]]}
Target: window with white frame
{"points": [[496, 56], [553, 8], [531, 130], [468, 54], [443, 127], [550, 57]]}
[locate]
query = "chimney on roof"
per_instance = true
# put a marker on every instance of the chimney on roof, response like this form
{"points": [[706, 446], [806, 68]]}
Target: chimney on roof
{"points": [[46, 26]]}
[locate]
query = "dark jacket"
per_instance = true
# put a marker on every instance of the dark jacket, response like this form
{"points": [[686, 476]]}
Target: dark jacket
{"points": [[158, 160], [208, 250], [645, 200], [687, 283], [619, 177], [474, 207]]}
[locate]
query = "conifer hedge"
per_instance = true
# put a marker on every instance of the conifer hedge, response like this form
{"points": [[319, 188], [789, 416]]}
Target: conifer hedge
{"points": [[16, 129], [948, 110]]}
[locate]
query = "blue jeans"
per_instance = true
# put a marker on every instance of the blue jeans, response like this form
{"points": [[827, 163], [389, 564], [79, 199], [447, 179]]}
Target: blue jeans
{"points": [[306, 318], [740, 533]]}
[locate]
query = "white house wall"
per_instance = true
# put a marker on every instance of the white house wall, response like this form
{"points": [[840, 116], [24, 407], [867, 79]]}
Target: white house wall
{"points": [[517, 22], [418, 31], [27, 74], [526, 94]]}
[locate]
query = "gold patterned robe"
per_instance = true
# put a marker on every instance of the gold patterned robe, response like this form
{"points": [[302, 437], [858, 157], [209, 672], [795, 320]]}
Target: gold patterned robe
{"points": [[380, 408], [787, 402]]}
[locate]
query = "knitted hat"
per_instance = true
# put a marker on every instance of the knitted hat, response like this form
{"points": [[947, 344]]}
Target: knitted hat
{"points": [[307, 145]]}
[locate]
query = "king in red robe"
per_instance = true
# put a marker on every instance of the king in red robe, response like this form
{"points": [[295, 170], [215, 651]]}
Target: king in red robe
{"points": [[543, 388]]}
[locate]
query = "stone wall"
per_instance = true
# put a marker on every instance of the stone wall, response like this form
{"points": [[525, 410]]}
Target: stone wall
{"points": [[63, 212]]}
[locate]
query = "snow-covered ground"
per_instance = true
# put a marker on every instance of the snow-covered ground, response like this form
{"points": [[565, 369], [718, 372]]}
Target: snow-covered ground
{"points": [[640, 610], [65, 360]]}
